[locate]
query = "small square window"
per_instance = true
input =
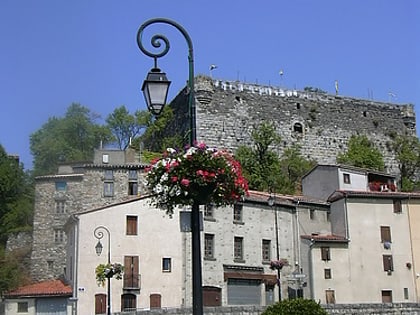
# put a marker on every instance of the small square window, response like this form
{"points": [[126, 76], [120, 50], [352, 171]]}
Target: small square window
{"points": [[327, 273], [109, 175], [22, 307], [59, 236], [108, 189], [346, 178], [132, 174], [166, 264], [60, 206], [60, 186]]}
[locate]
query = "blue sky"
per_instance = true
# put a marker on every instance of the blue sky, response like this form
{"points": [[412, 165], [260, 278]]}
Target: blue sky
{"points": [[54, 53]]}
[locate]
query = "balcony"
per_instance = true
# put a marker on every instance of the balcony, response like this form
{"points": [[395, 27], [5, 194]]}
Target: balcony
{"points": [[381, 186], [131, 282]]}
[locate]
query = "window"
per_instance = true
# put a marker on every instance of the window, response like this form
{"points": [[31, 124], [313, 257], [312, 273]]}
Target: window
{"points": [[108, 175], [209, 211], [385, 234], [327, 273], [128, 302], [237, 212], [22, 307], [60, 186], [325, 253], [312, 214], [297, 127], [397, 206], [386, 296], [100, 303], [346, 178], [405, 293], [388, 264], [105, 158], [131, 225], [59, 236], [166, 264], [208, 246], [238, 248], [108, 189], [132, 183], [132, 174], [131, 272], [266, 250], [60, 206], [330, 296], [328, 216], [50, 265]]}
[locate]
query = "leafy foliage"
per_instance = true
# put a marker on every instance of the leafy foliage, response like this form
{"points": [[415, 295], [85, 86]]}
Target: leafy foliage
{"points": [[16, 197], [200, 174], [265, 170], [407, 152], [13, 273], [362, 153], [105, 271], [295, 307], [67, 139], [125, 127], [154, 136]]}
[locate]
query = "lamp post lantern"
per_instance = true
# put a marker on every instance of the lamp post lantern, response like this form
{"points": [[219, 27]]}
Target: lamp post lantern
{"points": [[271, 202], [157, 85], [99, 234]]}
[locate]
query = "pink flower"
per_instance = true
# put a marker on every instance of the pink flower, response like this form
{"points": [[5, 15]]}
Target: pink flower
{"points": [[185, 182], [174, 179], [200, 173]]}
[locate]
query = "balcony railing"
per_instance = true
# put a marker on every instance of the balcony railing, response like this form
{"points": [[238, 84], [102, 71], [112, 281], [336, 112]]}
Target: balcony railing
{"points": [[132, 281]]}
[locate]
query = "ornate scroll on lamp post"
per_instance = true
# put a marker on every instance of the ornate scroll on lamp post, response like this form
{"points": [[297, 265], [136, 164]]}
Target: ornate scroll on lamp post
{"points": [[155, 90], [99, 234]]}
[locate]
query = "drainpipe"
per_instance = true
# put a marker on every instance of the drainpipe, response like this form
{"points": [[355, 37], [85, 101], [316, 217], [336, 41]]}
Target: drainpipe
{"points": [[412, 254], [311, 269]]}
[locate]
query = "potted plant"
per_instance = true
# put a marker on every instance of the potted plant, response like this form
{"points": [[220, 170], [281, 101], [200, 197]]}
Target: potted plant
{"points": [[278, 264], [105, 271], [198, 174]]}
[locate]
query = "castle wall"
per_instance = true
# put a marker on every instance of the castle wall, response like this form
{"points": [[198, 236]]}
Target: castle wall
{"points": [[320, 123]]}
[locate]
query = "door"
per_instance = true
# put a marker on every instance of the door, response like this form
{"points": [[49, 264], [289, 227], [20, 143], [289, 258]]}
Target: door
{"points": [[155, 301], [244, 292], [212, 296], [100, 303]]}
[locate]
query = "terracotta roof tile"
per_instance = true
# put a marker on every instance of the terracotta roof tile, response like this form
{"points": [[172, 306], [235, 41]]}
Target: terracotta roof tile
{"points": [[325, 238], [44, 288]]}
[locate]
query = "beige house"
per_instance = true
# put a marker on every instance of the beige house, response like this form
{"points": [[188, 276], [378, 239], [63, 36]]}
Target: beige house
{"points": [[368, 256], [142, 239]]}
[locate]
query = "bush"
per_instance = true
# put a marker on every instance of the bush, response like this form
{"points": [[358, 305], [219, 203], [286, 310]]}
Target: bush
{"points": [[295, 307]]}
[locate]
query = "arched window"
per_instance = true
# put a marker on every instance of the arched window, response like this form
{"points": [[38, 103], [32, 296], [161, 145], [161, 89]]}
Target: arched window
{"points": [[100, 303], [297, 127], [128, 302]]}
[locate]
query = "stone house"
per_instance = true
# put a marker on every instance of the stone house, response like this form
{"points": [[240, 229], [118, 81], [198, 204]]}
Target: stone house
{"points": [[112, 177]]}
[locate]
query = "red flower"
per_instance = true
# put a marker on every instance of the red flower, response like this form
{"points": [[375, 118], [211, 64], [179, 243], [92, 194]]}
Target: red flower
{"points": [[185, 182]]}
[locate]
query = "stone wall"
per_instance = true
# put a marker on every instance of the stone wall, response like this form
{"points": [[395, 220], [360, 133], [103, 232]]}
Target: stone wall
{"points": [[344, 309], [320, 123]]}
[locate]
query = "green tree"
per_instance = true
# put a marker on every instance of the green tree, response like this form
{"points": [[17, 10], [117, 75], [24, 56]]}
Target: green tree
{"points": [[16, 197], [295, 307], [362, 152], [260, 164], [293, 167], [67, 139], [13, 273], [126, 127], [155, 137], [407, 152]]}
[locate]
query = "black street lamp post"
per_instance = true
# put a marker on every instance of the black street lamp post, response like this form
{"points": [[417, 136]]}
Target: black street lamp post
{"points": [[155, 89], [99, 234], [271, 202]]}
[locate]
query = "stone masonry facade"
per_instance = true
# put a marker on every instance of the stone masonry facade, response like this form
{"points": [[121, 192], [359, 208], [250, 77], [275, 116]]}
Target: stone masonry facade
{"points": [[73, 189], [321, 124]]}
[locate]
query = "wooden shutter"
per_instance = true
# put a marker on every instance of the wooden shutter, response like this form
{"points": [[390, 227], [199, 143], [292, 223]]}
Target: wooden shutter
{"points": [[100, 303], [325, 253], [385, 234], [388, 263], [155, 301], [131, 225], [131, 271]]}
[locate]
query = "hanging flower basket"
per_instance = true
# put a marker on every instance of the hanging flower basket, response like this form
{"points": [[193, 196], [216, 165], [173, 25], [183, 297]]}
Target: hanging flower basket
{"points": [[197, 175], [278, 264], [105, 271]]}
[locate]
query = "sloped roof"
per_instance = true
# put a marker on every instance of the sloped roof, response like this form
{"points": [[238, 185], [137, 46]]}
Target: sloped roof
{"points": [[325, 238], [42, 289], [339, 194]]}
